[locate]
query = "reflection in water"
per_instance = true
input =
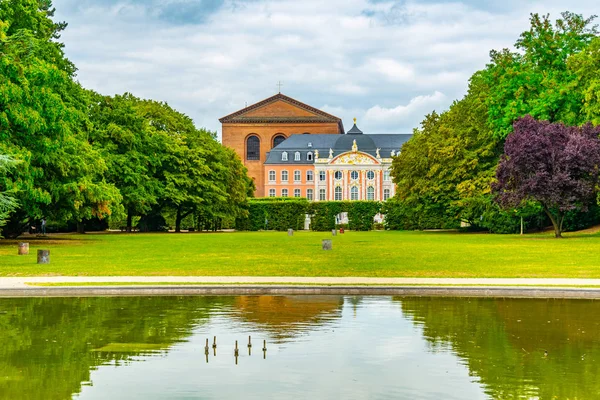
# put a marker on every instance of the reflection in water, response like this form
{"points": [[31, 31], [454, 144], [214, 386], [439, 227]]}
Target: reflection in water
{"points": [[318, 347], [519, 348]]}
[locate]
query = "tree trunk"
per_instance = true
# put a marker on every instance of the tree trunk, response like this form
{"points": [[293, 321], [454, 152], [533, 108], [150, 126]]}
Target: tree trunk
{"points": [[178, 219], [80, 227], [129, 220], [556, 222]]}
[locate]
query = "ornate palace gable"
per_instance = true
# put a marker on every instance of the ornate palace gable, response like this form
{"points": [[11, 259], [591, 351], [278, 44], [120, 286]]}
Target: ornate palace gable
{"points": [[354, 158]]}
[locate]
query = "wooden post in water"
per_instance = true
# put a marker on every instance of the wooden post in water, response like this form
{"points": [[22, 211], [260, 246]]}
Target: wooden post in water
{"points": [[23, 249], [43, 256], [264, 349]]}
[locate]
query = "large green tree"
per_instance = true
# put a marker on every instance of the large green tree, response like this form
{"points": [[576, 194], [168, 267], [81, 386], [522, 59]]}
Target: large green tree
{"points": [[444, 172], [535, 80], [43, 123], [133, 151]]}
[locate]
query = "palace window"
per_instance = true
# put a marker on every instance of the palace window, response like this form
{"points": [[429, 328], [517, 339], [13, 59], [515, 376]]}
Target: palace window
{"points": [[338, 175], [354, 175], [272, 176], [370, 193], [297, 156], [297, 176], [322, 176], [277, 140], [253, 148], [309, 156], [296, 192], [386, 175], [322, 196], [309, 194], [284, 193], [284, 156], [309, 176], [386, 194], [370, 175], [337, 193], [284, 176], [271, 192], [353, 193]]}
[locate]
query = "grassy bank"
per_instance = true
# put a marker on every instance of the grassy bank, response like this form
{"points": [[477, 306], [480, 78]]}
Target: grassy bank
{"points": [[366, 254]]}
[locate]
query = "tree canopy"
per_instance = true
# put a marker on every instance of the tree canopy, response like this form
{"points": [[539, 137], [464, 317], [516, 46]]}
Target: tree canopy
{"points": [[445, 172], [549, 163], [86, 156]]}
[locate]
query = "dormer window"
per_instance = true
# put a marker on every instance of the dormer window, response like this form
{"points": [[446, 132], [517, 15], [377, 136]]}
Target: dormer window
{"points": [[297, 156], [309, 156], [309, 144], [284, 156]]}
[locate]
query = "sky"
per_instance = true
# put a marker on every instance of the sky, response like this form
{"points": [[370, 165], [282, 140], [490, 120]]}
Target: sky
{"points": [[386, 63]]}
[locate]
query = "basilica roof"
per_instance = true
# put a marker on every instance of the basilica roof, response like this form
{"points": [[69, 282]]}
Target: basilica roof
{"points": [[339, 144]]}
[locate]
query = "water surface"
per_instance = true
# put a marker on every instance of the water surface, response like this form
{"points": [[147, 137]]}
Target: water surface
{"points": [[318, 347]]}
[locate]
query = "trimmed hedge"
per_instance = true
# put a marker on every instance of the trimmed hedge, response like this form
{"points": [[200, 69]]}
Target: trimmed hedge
{"points": [[274, 213], [360, 214], [283, 213]]}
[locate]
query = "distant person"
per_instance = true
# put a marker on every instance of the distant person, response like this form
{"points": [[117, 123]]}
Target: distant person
{"points": [[43, 226]]}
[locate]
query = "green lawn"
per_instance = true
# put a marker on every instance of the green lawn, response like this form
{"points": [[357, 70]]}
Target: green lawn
{"points": [[373, 254]]}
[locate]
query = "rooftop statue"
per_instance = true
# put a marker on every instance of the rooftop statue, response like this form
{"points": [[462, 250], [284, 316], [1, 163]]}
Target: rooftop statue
{"points": [[316, 154], [330, 152], [354, 146], [377, 153]]}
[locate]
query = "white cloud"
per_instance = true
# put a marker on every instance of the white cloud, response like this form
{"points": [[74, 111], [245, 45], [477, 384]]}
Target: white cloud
{"points": [[385, 62]]}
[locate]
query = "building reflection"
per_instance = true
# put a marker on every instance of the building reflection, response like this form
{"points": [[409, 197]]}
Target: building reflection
{"points": [[284, 317]]}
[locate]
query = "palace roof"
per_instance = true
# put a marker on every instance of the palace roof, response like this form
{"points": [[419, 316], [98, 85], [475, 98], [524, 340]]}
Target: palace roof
{"points": [[304, 144]]}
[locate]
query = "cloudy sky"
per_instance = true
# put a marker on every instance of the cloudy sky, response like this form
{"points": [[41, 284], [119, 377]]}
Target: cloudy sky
{"points": [[387, 63]]}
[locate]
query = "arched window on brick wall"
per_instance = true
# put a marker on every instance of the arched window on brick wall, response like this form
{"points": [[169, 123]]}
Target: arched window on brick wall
{"points": [[277, 140], [253, 148]]}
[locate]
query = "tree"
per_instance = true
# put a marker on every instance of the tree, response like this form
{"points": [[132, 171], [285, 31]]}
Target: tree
{"points": [[43, 123], [585, 65], [7, 202], [552, 164], [536, 80], [443, 173], [133, 152]]}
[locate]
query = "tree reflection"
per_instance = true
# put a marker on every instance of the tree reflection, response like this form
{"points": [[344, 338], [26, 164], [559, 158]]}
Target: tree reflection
{"points": [[50, 345], [519, 348]]}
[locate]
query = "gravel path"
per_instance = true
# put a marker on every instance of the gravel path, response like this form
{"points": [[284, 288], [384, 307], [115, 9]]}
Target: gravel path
{"points": [[22, 282]]}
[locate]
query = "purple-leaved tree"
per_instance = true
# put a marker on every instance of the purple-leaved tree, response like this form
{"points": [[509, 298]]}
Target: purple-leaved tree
{"points": [[553, 164]]}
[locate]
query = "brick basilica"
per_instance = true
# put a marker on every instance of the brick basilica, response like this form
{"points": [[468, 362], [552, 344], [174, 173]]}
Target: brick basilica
{"points": [[294, 150]]}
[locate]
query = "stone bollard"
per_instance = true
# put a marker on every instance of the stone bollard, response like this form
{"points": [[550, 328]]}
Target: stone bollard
{"points": [[290, 232], [23, 249], [326, 244], [333, 232], [43, 257]]}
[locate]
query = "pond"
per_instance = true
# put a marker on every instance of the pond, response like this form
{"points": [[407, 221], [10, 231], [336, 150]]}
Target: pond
{"points": [[317, 347]]}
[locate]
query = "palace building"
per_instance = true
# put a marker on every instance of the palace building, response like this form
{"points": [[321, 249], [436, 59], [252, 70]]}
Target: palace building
{"points": [[294, 150]]}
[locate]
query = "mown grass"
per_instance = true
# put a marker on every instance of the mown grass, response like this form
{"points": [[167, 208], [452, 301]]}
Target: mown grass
{"points": [[364, 254]]}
